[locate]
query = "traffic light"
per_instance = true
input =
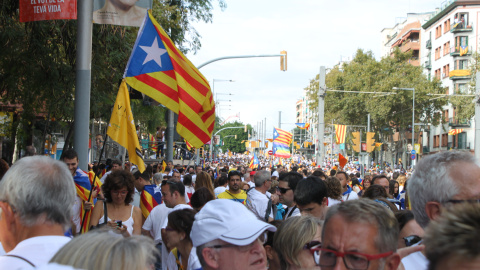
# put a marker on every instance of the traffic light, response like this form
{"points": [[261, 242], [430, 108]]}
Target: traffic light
{"points": [[200, 151], [356, 141], [370, 142], [283, 61], [245, 130]]}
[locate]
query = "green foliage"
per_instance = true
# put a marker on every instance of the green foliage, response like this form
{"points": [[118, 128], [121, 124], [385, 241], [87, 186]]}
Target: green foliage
{"points": [[387, 111], [465, 108], [230, 143], [37, 63]]}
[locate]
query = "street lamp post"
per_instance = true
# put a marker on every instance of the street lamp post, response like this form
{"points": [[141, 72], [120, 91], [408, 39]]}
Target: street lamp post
{"points": [[213, 95], [413, 118]]}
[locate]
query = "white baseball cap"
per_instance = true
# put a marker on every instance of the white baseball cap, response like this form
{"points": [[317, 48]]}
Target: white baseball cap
{"points": [[229, 221], [275, 173]]}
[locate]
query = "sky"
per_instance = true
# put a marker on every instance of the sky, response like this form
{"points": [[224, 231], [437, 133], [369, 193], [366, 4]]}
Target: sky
{"points": [[313, 32]]}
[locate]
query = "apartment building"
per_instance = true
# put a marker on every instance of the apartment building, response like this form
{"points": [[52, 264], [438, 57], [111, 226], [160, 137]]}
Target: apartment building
{"points": [[451, 38]]}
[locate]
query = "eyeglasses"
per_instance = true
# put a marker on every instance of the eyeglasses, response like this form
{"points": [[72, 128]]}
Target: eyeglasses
{"points": [[283, 190], [464, 201], [262, 238], [411, 240], [353, 260]]}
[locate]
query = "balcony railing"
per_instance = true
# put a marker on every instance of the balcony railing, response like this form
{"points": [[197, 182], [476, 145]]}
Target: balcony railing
{"points": [[428, 64], [460, 51], [461, 145], [461, 27], [458, 123], [429, 44]]}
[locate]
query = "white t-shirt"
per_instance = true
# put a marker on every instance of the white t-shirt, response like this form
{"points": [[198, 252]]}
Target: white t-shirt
{"points": [[193, 261], [257, 202], [157, 216], [105, 176], [415, 261], [295, 212], [332, 202], [350, 196], [219, 190], [2, 251], [76, 213], [38, 250], [164, 225]]}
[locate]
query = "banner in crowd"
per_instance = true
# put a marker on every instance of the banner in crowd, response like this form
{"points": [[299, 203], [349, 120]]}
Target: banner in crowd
{"points": [[43, 10], [129, 13]]}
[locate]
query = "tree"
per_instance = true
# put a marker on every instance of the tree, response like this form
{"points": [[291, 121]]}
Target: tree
{"points": [[389, 112], [37, 64], [231, 143]]}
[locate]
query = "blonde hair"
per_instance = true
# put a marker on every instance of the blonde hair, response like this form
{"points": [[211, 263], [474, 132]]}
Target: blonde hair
{"points": [[100, 249], [401, 180], [204, 180], [292, 235]]}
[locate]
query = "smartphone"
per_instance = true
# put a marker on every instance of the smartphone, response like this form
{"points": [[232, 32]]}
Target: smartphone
{"points": [[119, 223]]}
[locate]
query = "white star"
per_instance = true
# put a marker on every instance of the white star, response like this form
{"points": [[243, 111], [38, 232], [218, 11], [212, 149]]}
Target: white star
{"points": [[153, 53], [156, 190]]}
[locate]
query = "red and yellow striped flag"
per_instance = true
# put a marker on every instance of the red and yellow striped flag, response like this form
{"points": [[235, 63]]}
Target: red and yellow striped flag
{"points": [[455, 131], [340, 132], [150, 197], [161, 71]]}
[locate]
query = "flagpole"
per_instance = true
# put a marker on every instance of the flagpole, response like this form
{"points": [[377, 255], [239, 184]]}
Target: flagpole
{"points": [[94, 177]]}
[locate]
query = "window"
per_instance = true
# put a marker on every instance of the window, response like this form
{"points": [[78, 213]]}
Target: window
{"points": [[446, 49], [461, 88], [447, 70], [438, 31], [445, 116], [461, 64], [436, 141], [460, 41], [446, 26], [444, 140]]}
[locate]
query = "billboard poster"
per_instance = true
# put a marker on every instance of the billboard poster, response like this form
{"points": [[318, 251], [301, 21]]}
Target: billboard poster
{"points": [[120, 12], [42, 10]]}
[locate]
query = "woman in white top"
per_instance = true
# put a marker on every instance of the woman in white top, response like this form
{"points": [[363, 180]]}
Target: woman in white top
{"points": [[177, 238], [118, 190]]}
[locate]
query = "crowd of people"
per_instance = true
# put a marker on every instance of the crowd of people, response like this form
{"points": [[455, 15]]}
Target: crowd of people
{"points": [[230, 216]]}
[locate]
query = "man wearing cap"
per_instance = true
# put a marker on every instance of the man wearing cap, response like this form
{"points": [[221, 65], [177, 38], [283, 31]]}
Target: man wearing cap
{"points": [[228, 236], [234, 191]]}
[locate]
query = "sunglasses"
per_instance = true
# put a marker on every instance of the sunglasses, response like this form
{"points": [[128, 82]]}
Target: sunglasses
{"points": [[284, 190], [411, 240]]}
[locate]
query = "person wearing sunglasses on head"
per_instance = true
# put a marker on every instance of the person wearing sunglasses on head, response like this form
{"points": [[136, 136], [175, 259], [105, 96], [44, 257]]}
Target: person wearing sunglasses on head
{"points": [[410, 232], [358, 234], [296, 243], [287, 183]]}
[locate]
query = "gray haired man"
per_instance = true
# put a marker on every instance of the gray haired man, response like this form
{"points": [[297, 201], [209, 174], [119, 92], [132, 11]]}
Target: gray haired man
{"points": [[259, 199], [439, 181], [36, 199], [359, 234]]}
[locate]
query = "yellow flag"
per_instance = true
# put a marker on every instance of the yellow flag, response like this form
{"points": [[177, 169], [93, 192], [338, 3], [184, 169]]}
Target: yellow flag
{"points": [[122, 127], [164, 166]]}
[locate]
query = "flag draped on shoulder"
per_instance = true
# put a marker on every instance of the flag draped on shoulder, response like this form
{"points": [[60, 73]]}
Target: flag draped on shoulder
{"points": [[122, 127], [340, 132], [281, 143], [83, 184], [161, 71], [150, 197]]}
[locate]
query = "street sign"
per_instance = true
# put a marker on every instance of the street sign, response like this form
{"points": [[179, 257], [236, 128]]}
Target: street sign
{"points": [[270, 152], [413, 152], [413, 157], [417, 147]]}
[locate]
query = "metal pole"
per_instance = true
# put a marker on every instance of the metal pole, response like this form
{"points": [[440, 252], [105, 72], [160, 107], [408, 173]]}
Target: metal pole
{"points": [[211, 139], [413, 127], [279, 119], [170, 127], [477, 117], [321, 115], [368, 130], [83, 81]]}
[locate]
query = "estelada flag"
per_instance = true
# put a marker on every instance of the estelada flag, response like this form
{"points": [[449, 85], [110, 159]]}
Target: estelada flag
{"points": [[342, 161], [82, 187], [150, 197], [41, 10], [161, 71], [122, 127]]}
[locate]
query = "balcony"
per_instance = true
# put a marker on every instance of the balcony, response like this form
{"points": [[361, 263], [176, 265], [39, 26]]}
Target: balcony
{"points": [[461, 28], [410, 45], [429, 44], [428, 64], [460, 74], [452, 122], [459, 51]]}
